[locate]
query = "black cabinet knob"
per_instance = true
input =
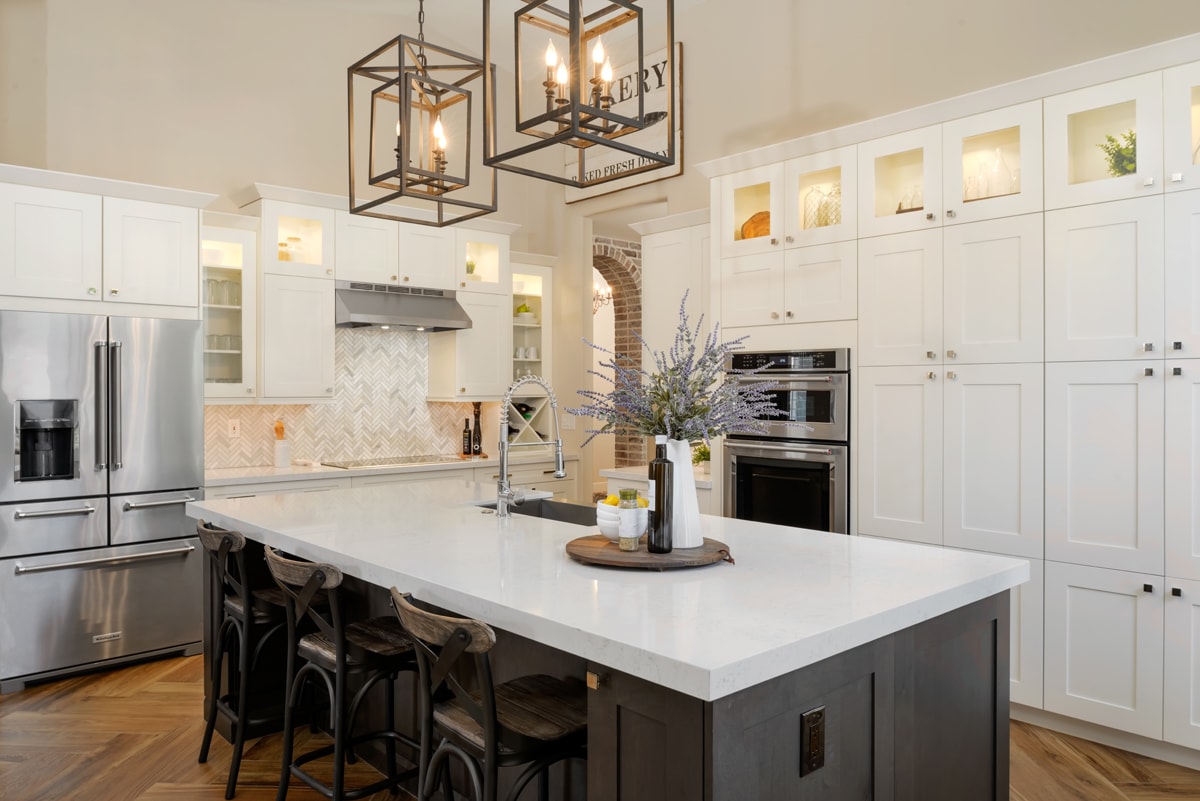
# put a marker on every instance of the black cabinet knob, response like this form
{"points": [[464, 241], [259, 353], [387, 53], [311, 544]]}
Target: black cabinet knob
{"points": [[1147, 588], [1176, 592]]}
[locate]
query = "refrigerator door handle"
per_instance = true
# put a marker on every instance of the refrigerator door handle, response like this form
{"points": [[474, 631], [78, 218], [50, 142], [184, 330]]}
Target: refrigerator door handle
{"points": [[21, 568], [114, 403], [101, 404]]}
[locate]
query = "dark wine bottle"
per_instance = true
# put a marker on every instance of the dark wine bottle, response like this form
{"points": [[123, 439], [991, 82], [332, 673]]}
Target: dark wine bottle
{"points": [[658, 534], [477, 435], [466, 448]]}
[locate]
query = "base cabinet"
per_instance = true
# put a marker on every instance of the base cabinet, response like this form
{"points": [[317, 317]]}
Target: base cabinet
{"points": [[922, 713], [1181, 663]]}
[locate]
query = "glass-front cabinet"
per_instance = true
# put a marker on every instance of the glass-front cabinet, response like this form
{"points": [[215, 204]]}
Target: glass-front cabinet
{"points": [[821, 198], [752, 211], [228, 297], [1104, 142], [900, 182], [993, 164], [483, 263], [297, 239], [1181, 127]]}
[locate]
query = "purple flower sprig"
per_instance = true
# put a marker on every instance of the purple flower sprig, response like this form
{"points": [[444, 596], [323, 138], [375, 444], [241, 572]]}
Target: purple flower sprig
{"points": [[688, 395]]}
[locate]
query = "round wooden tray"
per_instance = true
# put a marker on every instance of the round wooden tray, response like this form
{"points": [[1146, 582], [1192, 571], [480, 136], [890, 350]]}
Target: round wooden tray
{"points": [[600, 550]]}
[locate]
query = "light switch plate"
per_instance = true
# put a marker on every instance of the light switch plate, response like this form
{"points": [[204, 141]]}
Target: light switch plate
{"points": [[234, 429]]}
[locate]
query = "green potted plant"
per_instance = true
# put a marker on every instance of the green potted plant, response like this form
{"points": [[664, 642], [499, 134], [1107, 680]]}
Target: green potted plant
{"points": [[701, 457], [1121, 155], [471, 267]]}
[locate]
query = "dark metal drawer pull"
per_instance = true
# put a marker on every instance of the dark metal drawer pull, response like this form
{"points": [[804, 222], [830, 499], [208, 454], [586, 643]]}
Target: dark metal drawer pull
{"points": [[156, 504], [107, 560], [87, 510]]}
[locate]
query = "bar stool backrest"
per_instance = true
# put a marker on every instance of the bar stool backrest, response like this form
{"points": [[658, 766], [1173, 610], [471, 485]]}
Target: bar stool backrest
{"points": [[226, 550], [301, 581]]}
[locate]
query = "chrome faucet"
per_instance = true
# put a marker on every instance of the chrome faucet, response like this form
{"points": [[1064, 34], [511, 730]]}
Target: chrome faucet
{"points": [[504, 491]]}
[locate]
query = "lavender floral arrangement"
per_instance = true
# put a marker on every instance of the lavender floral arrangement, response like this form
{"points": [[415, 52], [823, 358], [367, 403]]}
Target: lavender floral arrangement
{"points": [[688, 396]]}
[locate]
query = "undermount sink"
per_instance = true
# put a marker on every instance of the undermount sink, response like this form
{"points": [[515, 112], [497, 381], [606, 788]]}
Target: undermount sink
{"points": [[563, 512]]}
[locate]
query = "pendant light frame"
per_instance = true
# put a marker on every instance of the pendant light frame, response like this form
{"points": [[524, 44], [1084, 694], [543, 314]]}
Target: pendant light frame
{"points": [[412, 82], [583, 123]]}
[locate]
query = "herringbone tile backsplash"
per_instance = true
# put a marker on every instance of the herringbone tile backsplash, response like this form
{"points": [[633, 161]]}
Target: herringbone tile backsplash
{"points": [[379, 410]]}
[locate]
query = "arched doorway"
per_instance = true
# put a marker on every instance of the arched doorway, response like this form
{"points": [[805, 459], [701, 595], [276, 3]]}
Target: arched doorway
{"points": [[620, 263]]}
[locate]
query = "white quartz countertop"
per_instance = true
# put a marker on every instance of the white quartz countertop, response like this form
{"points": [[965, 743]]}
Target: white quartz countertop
{"points": [[793, 598], [233, 476], [641, 473]]}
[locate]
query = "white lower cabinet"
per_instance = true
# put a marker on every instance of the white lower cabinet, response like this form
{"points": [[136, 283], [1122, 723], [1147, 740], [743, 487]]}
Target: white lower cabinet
{"points": [[1104, 647], [1104, 464], [456, 476], [1181, 483], [535, 477], [474, 363], [297, 338], [1181, 667]]}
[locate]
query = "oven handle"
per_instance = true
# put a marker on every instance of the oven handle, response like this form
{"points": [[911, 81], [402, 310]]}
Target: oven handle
{"points": [[788, 448], [784, 379], [104, 560]]}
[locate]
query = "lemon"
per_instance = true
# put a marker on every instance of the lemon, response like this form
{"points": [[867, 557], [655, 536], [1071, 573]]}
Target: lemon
{"points": [[643, 503], [612, 500]]}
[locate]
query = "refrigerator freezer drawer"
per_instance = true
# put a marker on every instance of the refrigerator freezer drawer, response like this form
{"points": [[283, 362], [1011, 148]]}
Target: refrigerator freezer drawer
{"points": [[84, 607], [49, 526], [152, 516]]}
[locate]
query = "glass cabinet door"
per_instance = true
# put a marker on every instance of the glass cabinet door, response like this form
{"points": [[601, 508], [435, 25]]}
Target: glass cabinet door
{"points": [[297, 239], [228, 298], [1181, 127], [821, 198], [900, 182], [752, 211], [1104, 142], [993, 164], [483, 263]]}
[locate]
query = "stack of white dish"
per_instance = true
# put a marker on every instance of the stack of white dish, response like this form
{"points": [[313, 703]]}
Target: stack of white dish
{"points": [[608, 519]]}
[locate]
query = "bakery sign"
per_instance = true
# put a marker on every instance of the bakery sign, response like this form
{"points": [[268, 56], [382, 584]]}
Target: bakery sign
{"points": [[650, 83]]}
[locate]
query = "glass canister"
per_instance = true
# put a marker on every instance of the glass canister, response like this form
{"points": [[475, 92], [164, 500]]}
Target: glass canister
{"points": [[628, 528]]}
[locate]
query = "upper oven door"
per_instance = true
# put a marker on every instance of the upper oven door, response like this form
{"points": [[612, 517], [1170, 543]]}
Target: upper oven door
{"points": [[813, 406]]}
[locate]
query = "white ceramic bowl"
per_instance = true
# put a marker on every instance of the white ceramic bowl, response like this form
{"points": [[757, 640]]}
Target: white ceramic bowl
{"points": [[608, 520], [608, 528]]}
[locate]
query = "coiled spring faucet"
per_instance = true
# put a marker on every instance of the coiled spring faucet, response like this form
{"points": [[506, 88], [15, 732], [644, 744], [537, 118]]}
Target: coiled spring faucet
{"points": [[504, 491]]}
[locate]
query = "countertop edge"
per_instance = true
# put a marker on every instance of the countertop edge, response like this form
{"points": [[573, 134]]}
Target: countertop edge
{"points": [[259, 474]]}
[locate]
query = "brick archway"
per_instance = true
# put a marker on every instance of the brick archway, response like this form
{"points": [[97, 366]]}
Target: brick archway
{"points": [[620, 263]]}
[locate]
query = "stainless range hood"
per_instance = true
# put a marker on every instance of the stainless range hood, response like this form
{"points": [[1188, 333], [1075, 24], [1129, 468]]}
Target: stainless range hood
{"points": [[358, 304]]}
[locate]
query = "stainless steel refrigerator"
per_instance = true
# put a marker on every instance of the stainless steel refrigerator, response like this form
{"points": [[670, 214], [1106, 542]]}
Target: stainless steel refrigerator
{"points": [[103, 447]]}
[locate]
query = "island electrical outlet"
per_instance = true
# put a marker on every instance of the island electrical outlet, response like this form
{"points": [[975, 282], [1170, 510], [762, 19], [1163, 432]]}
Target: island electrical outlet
{"points": [[812, 740]]}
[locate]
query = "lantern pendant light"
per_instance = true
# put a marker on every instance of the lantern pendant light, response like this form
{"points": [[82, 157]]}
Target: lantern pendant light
{"points": [[410, 104], [573, 110]]}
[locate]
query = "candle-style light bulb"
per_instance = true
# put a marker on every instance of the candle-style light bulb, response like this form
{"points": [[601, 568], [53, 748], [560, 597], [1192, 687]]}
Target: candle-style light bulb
{"points": [[561, 77], [597, 56], [551, 54], [606, 72], [439, 133], [397, 128]]}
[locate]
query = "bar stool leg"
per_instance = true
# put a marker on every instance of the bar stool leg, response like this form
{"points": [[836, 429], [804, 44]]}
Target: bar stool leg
{"points": [[239, 739], [340, 734], [294, 687]]}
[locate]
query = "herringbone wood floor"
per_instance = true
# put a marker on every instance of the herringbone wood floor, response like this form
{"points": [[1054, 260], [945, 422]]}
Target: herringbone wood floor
{"points": [[133, 735]]}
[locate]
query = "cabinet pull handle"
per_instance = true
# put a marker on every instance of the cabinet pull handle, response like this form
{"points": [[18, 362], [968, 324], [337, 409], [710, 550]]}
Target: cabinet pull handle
{"points": [[547, 472], [790, 315], [328, 390], [393, 278], [329, 271], [1148, 347], [949, 212], [951, 374], [497, 475], [91, 290], [774, 315], [789, 239], [1147, 588], [249, 390], [930, 354], [1148, 182], [595, 680], [931, 375], [1176, 371], [950, 354], [155, 504], [406, 278], [86, 510], [108, 560], [1176, 592], [929, 215], [1177, 345], [774, 241], [1149, 371], [114, 292], [1176, 177]]}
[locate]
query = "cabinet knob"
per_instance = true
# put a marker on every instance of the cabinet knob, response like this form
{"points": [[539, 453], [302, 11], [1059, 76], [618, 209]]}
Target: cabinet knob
{"points": [[790, 315], [951, 375], [1176, 345], [949, 212], [789, 239], [1176, 592], [249, 390], [393, 278], [929, 215], [931, 375], [950, 354], [1149, 371], [461, 283], [930, 354], [91, 290], [774, 241], [1147, 588], [328, 390], [1176, 371], [594, 680], [329, 271], [1148, 182], [1148, 347], [406, 278], [462, 389], [114, 292], [1176, 177], [774, 315]]}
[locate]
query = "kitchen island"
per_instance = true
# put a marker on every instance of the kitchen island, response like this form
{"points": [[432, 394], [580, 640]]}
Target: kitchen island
{"points": [[816, 666]]}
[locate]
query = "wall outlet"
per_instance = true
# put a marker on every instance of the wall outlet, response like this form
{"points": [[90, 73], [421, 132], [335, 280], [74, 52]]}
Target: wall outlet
{"points": [[812, 740], [234, 429]]}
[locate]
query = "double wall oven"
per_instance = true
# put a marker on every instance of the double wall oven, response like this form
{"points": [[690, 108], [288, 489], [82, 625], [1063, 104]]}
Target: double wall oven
{"points": [[796, 472]]}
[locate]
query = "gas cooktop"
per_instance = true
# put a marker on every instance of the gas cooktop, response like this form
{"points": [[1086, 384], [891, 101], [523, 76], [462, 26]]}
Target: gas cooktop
{"points": [[392, 461]]}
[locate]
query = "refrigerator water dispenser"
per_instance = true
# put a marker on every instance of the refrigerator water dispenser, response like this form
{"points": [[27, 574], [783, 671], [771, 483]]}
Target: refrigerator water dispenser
{"points": [[47, 440]]}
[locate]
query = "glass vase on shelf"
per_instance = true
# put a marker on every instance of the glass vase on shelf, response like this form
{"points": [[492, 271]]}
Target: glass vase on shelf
{"points": [[812, 207], [1000, 179]]}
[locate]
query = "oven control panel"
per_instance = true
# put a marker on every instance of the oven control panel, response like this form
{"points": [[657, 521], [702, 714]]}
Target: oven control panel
{"points": [[830, 360]]}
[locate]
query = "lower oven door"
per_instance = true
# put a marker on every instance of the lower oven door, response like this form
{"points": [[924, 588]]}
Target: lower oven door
{"points": [[789, 483], [82, 607]]}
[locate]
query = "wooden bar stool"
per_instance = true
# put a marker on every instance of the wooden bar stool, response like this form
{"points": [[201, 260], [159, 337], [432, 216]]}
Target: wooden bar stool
{"points": [[534, 721], [374, 650], [249, 617]]}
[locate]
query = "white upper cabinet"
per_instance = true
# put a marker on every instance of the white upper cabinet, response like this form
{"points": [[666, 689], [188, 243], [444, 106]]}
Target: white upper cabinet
{"points": [[1104, 464], [993, 291], [820, 283], [297, 239], [1104, 281], [993, 164], [297, 339], [151, 253], [673, 262], [1181, 127], [752, 290], [427, 256], [1182, 280], [1104, 142], [474, 364], [49, 243], [752, 211], [483, 263], [900, 182], [900, 299], [820, 198], [229, 259], [366, 249]]}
